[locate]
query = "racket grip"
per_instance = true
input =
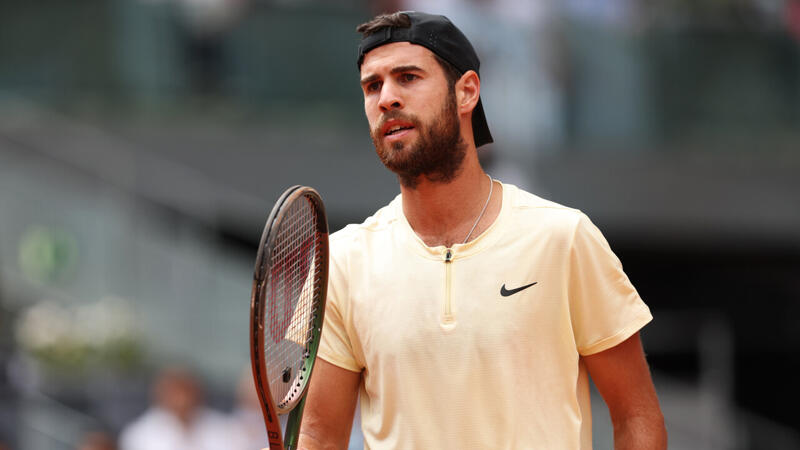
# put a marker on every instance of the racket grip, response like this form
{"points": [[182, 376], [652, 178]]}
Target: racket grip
{"points": [[293, 425]]}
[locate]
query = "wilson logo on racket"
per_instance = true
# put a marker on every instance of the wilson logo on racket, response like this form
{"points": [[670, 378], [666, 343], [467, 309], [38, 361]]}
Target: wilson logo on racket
{"points": [[285, 290]]}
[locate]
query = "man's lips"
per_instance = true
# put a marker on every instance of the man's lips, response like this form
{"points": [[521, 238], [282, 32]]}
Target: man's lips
{"points": [[396, 127]]}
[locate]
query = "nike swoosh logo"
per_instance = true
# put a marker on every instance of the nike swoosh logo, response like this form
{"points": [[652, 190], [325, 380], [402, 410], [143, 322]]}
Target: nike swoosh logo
{"points": [[506, 292]]}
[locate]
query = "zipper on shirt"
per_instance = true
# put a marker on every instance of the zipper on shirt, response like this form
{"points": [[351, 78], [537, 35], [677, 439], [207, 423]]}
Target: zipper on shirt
{"points": [[448, 319]]}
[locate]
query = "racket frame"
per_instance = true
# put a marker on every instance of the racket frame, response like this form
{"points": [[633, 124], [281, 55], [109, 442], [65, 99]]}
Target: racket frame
{"points": [[258, 302]]}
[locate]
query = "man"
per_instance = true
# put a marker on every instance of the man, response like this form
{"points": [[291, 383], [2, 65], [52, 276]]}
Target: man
{"points": [[468, 313], [177, 419]]}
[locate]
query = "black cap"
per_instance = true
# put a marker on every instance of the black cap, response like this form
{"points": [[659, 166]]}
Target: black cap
{"points": [[439, 35]]}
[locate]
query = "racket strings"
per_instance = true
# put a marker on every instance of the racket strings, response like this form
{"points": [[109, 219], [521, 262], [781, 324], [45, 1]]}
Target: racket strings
{"points": [[293, 292]]}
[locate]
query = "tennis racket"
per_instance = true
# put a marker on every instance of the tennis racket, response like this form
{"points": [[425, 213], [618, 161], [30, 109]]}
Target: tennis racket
{"points": [[287, 307]]}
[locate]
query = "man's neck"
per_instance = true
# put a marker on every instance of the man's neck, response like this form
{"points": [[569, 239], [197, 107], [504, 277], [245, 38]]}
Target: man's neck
{"points": [[444, 213]]}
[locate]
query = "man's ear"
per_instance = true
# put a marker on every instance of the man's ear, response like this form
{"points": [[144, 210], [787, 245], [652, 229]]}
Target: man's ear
{"points": [[468, 91]]}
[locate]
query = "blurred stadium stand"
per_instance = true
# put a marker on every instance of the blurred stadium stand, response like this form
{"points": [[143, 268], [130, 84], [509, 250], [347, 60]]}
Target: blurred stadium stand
{"points": [[681, 142]]}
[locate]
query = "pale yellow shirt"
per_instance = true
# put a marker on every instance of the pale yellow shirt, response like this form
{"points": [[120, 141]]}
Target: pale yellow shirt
{"points": [[449, 362]]}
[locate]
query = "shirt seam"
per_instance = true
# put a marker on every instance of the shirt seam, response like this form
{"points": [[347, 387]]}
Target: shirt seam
{"points": [[339, 361], [568, 276], [626, 332]]}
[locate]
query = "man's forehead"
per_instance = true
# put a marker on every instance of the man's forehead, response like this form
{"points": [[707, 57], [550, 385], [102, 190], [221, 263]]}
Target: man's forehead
{"points": [[397, 54]]}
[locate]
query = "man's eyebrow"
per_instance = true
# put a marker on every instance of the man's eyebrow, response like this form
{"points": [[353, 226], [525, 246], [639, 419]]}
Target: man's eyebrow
{"points": [[369, 79], [409, 68], [395, 70]]}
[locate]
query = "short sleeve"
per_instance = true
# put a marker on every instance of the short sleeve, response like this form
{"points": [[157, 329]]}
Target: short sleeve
{"points": [[605, 308], [335, 345]]}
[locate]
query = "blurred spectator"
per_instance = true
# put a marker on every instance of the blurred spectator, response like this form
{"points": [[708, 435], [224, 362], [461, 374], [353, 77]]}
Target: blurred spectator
{"points": [[96, 440], [204, 27], [201, 27], [247, 419], [793, 18], [177, 420]]}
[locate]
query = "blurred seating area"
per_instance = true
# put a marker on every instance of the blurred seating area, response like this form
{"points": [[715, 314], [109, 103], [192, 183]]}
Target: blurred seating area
{"points": [[143, 142]]}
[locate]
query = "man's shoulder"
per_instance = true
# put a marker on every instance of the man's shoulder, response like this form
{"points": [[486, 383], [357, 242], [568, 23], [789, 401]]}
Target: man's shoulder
{"points": [[524, 202], [380, 221]]}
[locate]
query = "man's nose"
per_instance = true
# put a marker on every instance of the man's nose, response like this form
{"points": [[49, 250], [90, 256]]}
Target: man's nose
{"points": [[390, 98]]}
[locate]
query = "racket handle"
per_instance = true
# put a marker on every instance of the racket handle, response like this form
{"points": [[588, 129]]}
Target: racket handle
{"points": [[293, 425]]}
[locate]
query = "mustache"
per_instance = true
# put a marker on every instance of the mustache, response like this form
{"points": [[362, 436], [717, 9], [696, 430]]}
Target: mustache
{"points": [[394, 115]]}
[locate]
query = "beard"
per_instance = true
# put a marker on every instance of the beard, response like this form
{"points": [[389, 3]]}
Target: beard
{"points": [[437, 153]]}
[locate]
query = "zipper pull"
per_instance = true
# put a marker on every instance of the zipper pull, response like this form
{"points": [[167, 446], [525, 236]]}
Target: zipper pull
{"points": [[448, 255]]}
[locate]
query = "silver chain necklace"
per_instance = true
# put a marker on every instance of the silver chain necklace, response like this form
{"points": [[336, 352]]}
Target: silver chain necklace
{"points": [[491, 185]]}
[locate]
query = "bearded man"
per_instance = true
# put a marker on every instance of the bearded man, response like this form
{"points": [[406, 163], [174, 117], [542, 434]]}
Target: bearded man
{"points": [[468, 313]]}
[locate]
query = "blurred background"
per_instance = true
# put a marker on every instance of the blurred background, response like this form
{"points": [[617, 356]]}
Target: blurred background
{"points": [[143, 143]]}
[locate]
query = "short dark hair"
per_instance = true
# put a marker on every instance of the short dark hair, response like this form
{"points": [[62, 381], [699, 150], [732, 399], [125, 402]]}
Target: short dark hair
{"points": [[401, 20], [381, 21]]}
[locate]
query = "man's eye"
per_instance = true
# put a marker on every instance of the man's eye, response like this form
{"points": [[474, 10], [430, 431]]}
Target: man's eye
{"points": [[408, 77], [373, 87]]}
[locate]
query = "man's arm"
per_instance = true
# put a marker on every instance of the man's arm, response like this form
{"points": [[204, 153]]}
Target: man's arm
{"points": [[331, 402], [623, 379]]}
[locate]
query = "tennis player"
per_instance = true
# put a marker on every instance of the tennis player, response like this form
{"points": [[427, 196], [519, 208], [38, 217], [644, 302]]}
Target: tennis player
{"points": [[468, 313]]}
